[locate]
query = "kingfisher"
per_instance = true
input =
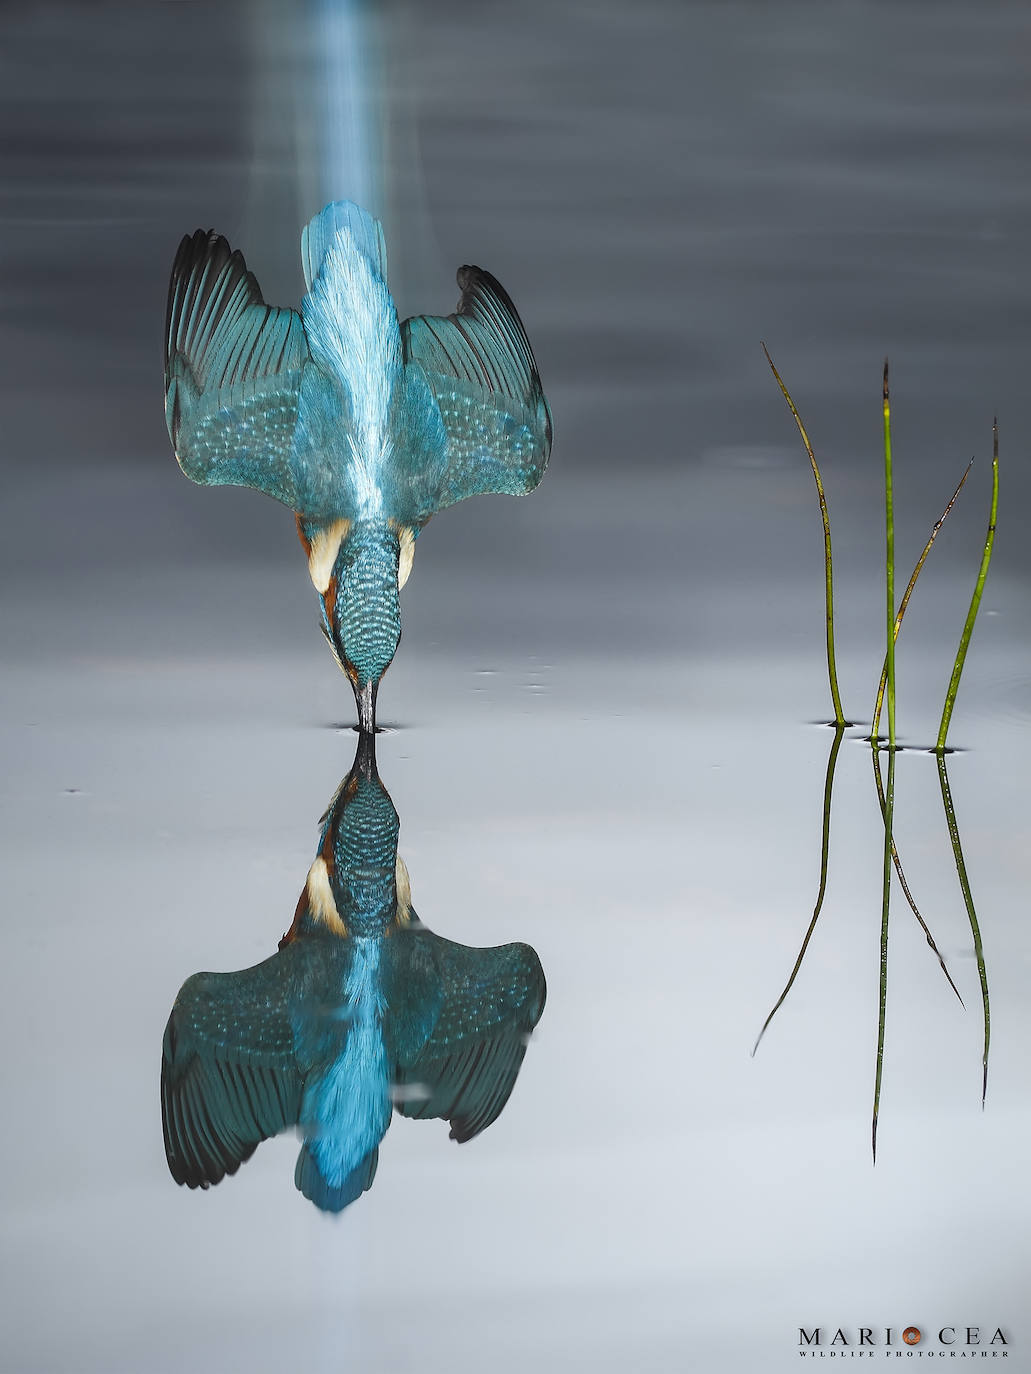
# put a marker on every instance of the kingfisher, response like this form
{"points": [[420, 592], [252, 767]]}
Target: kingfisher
{"points": [[363, 426], [361, 1012]]}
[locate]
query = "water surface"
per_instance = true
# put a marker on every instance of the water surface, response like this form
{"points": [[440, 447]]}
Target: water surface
{"points": [[603, 697]]}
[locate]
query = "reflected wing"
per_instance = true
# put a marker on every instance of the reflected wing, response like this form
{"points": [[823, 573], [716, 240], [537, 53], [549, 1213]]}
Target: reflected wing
{"points": [[233, 368], [480, 368], [491, 999], [229, 1075]]}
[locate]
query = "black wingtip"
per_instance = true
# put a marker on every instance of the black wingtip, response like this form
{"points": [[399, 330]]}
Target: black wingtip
{"points": [[193, 249], [470, 278], [200, 267]]}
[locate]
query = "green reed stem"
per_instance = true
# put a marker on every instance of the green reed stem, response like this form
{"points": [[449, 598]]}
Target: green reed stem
{"points": [[943, 777], [909, 592], [975, 600], [889, 522], [964, 882], [832, 672], [877, 721], [889, 793], [905, 885], [882, 1000], [828, 787]]}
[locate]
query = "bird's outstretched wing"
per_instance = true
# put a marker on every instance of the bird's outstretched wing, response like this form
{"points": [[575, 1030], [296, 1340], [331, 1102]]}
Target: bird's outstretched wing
{"points": [[233, 371], [229, 1075], [490, 1001], [481, 371]]}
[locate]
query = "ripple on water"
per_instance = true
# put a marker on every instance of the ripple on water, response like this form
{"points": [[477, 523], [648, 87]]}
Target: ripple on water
{"points": [[343, 727], [864, 737]]}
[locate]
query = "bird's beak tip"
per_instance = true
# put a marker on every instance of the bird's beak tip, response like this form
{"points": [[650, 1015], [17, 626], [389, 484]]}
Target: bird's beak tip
{"points": [[366, 701]]}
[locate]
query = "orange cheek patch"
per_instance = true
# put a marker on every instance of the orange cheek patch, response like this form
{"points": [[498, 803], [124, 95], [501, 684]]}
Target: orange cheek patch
{"points": [[322, 550], [300, 911]]}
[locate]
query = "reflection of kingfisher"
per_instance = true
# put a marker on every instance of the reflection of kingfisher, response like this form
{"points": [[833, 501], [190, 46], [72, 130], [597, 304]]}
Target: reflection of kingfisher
{"points": [[362, 426], [363, 1009]]}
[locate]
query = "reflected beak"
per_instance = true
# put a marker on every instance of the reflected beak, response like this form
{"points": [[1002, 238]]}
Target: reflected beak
{"points": [[365, 757]]}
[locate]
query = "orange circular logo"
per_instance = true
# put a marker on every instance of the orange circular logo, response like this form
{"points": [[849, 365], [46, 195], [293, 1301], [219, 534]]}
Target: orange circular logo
{"points": [[911, 1335]]}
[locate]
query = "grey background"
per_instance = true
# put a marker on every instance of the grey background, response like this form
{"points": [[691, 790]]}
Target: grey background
{"points": [[602, 702]]}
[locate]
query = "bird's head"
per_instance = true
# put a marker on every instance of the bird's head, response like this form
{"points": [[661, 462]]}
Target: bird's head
{"points": [[358, 570], [357, 884]]}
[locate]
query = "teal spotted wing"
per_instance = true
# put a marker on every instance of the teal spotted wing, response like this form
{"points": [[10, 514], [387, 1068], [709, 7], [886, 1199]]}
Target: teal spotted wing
{"points": [[229, 1072], [481, 371], [233, 372], [489, 1000]]}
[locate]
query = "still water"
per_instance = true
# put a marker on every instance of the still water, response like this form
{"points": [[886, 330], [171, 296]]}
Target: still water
{"points": [[601, 738]]}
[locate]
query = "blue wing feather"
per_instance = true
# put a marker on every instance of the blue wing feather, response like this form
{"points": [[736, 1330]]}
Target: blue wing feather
{"points": [[233, 370], [481, 370], [229, 1072], [467, 1065], [261, 397]]}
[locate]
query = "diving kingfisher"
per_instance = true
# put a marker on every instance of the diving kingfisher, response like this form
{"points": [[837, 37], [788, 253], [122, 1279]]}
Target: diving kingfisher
{"points": [[364, 427], [362, 1011]]}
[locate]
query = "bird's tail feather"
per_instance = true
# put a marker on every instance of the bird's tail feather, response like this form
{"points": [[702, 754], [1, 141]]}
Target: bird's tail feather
{"points": [[310, 1181], [319, 235]]}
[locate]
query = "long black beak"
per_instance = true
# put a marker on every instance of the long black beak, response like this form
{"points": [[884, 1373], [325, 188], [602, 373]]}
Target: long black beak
{"points": [[366, 699]]}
